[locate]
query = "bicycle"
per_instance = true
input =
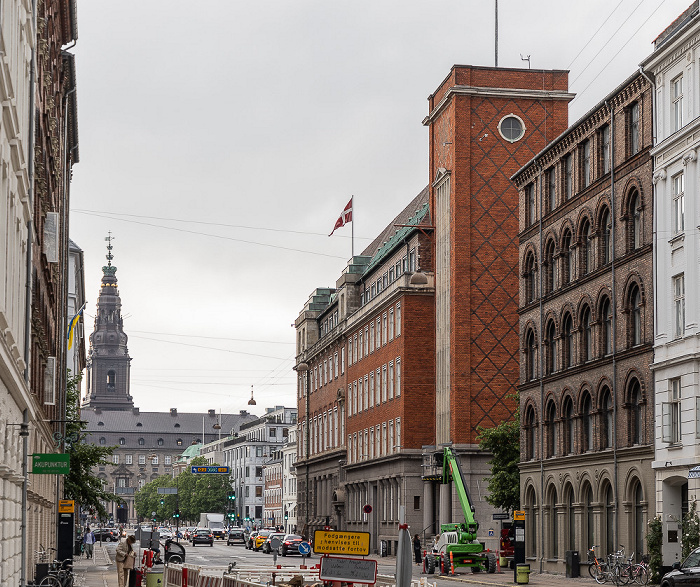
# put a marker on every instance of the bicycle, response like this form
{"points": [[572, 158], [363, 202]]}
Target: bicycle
{"points": [[60, 574], [639, 573], [596, 567]]}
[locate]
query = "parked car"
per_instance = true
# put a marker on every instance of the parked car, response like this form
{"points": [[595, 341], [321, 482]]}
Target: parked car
{"points": [[260, 539], [202, 536], [250, 541], [267, 545], [235, 536], [290, 544], [686, 573], [106, 534]]}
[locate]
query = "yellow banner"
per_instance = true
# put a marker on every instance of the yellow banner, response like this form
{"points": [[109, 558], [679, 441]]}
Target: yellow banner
{"points": [[519, 515], [331, 542], [66, 506]]}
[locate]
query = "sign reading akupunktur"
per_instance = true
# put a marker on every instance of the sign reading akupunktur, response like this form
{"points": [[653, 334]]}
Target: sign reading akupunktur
{"points": [[51, 464]]}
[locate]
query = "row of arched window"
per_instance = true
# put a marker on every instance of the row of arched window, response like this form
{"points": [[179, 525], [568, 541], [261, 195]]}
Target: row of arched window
{"points": [[584, 422], [141, 441], [576, 337], [578, 251]]}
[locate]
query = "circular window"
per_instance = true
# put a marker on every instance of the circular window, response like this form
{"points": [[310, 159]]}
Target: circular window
{"points": [[512, 128]]}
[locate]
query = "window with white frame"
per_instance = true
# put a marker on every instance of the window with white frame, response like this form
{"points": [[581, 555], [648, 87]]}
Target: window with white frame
{"points": [[678, 202], [390, 440], [391, 324], [371, 443], [678, 306], [354, 397], [115, 459], [381, 393], [366, 347], [385, 328], [377, 440], [391, 379], [335, 364], [129, 459], [371, 337], [671, 413], [398, 433], [349, 399], [379, 332], [342, 360], [364, 392], [398, 319], [168, 460], [384, 439], [142, 459], [369, 401], [358, 349], [398, 376], [154, 460], [676, 103]]}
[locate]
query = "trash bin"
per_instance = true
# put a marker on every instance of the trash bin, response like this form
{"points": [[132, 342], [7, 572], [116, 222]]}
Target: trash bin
{"points": [[77, 547], [154, 579], [573, 564], [522, 573]]}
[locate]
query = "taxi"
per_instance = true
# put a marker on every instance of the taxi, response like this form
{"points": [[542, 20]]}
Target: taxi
{"points": [[260, 539]]}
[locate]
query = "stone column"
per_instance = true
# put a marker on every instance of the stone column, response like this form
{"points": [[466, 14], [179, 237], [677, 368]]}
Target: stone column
{"points": [[445, 515], [428, 507]]}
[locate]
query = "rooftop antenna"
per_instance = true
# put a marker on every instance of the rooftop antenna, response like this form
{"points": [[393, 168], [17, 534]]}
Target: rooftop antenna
{"points": [[496, 35], [525, 59]]}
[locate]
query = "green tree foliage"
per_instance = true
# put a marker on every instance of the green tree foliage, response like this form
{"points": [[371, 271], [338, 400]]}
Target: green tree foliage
{"points": [[196, 494], [691, 531], [503, 442], [654, 544], [80, 484]]}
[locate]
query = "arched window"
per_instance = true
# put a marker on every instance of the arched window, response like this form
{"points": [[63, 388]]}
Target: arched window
{"points": [[551, 347], [567, 341], [111, 380], [606, 423], [160, 442], [605, 237], [606, 322], [586, 335], [568, 424], [635, 416], [635, 221], [553, 525], [530, 356], [570, 519], [635, 305], [567, 258], [179, 442], [142, 441], [551, 429], [609, 502], [586, 424], [639, 521], [586, 248], [549, 268], [529, 278], [122, 441], [531, 435], [588, 514], [103, 440], [531, 521]]}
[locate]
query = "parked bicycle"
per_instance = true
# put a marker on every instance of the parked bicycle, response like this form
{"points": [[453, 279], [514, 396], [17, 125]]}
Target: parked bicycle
{"points": [[60, 574]]}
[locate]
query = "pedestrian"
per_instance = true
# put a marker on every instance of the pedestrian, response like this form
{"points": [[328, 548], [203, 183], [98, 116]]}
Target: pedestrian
{"points": [[125, 558], [88, 541], [416, 549]]}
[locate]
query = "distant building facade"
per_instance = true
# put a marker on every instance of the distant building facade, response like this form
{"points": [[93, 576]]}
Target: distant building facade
{"points": [[673, 66], [273, 513], [289, 481], [586, 332]]}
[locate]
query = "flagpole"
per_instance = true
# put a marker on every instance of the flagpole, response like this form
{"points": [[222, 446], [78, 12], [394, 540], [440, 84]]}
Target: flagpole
{"points": [[352, 238]]}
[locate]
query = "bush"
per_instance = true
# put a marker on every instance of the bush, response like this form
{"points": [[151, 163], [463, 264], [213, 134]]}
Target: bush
{"points": [[654, 543]]}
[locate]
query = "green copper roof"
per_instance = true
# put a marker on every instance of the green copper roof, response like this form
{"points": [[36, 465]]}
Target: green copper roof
{"points": [[190, 452], [397, 237]]}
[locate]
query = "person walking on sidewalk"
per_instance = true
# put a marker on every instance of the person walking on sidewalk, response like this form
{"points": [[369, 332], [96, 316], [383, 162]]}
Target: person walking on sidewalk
{"points": [[416, 549], [89, 542], [125, 559]]}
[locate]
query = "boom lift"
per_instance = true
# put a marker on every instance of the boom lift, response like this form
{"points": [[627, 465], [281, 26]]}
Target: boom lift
{"points": [[459, 539]]}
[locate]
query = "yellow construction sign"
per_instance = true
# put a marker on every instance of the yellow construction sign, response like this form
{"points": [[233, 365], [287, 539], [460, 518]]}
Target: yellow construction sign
{"points": [[66, 506], [519, 515], [332, 542]]}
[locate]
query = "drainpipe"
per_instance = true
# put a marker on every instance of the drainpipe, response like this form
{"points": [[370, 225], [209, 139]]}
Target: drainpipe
{"points": [[614, 321], [541, 364]]}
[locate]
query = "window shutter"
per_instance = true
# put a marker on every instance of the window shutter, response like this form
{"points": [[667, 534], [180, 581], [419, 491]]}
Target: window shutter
{"points": [[51, 237], [666, 429], [50, 381]]}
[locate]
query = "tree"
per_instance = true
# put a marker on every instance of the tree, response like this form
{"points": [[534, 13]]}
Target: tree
{"points": [[503, 442], [80, 484]]}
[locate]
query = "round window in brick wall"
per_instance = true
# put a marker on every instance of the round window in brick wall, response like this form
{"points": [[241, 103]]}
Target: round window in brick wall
{"points": [[512, 128]]}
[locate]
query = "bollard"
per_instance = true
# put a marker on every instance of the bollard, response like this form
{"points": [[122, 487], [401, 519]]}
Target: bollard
{"points": [[452, 564], [184, 577], [498, 562]]}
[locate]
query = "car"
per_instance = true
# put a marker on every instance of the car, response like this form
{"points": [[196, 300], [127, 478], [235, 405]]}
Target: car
{"points": [[290, 544], [165, 534], [235, 536], [260, 539], [686, 573], [106, 534], [218, 532], [202, 536], [267, 545], [250, 541]]}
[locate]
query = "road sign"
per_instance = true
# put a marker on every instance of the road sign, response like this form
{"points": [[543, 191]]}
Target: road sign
{"points": [[491, 532], [66, 506], [330, 542], [211, 470], [367, 509], [50, 464], [501, 516], [351, 570], [168, 490], [519, 515], [304, 549]]}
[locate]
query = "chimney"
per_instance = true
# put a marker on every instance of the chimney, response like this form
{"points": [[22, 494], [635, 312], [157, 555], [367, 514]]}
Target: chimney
{"points": [[212, 413], [135, 411], [173, 411]]}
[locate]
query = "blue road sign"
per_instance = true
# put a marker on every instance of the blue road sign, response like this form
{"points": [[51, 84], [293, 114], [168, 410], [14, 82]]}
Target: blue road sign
{"points": [[304, 549], [210, 469]]}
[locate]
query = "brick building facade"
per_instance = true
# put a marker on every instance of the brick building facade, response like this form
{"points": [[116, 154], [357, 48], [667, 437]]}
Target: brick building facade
{"points": [[586, 332], [484, 124]]}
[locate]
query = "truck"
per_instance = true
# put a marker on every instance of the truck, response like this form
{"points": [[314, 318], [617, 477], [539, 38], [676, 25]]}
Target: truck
{"points": [[457, 545], [215, 523]]}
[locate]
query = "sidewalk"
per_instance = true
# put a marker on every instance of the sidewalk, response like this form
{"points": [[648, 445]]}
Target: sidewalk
{"points": [[99, 571]]}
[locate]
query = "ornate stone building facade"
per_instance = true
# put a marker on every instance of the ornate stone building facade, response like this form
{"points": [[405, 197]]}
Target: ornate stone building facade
{"points": [[586, 332]]}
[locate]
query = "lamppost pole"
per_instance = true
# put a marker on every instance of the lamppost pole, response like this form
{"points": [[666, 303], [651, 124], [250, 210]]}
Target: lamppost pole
{"points": [[304, 367]]}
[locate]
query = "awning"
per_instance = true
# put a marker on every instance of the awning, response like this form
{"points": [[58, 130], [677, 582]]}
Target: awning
{"points": [[694, 473]]}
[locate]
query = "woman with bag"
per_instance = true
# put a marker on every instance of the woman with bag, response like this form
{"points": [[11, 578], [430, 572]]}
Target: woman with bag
{"points": [[126, 558]]}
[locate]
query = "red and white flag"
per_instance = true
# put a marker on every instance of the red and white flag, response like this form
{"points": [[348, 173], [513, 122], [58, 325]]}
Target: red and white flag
{"points": [[345, 217]]}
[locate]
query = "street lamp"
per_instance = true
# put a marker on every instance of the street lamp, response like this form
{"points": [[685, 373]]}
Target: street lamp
{"points": [[304, 368]]}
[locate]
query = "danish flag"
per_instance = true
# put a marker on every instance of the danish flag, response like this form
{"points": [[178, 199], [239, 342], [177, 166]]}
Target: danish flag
{"points": [[345, 217]]}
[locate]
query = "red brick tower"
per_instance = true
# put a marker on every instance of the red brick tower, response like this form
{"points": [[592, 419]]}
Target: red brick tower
{"points": [[485, 123]]}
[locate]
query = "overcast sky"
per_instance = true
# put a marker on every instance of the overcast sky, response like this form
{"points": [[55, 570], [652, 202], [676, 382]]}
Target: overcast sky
{"points": [[220, 140]]}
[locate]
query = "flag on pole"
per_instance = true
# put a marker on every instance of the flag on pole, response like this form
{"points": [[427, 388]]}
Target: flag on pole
{"points": [[345, 217], [72, 324]]}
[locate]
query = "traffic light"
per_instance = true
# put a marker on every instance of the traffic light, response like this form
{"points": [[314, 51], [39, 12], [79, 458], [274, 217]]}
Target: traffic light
{"points": [[176, 514], [232, 497], [162, 501], [286, 515]]}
